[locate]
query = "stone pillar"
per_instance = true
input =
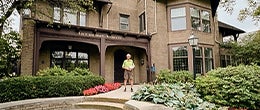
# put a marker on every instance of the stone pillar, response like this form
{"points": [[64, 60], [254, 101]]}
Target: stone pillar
{"points": [[28, 36]]}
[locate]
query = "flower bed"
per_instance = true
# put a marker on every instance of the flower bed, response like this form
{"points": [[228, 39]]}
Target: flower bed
{"points": [[101, 89]]}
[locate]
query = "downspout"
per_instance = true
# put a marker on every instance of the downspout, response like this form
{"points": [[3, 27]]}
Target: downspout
{"points": [[215, 30], [155, 18], [108, 13], [146, 22]]}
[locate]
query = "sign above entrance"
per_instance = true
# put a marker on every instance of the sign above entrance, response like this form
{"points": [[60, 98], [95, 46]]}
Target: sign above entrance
{"points": [[99, 35]]}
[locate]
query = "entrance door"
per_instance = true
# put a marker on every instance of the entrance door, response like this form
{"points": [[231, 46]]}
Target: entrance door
{"points": [[119, 57]]}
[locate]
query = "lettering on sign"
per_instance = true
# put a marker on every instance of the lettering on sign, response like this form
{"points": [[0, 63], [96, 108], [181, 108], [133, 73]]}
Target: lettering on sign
{"points": [[98, 35]]}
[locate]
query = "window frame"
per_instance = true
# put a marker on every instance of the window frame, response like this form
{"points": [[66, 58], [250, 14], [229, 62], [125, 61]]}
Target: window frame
{"points": [[179, 57], [177, 17], [62, 16], [210, 58], [201, 20], [64, 59], [142, 22], [123, 23]]}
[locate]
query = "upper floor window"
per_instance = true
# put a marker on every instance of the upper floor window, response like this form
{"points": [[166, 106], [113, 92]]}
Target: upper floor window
{"points": [[178, 19], [142, 22], [69, 16], [200, 20], [124, 22]]}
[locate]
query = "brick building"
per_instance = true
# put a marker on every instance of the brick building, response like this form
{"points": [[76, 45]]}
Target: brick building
{"points": [[155, 32]]}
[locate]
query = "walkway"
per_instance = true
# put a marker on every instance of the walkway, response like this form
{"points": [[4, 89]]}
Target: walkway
{"points": [[122, 100]]}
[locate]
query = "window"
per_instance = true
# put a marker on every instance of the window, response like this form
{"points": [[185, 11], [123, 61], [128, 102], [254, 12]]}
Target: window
{"points": [[69, 16], [200, 20], [208, 59], [178, 19], [225, 60], [180, 58], [124, 22], [69, 60], [56, 15], [198, 60], [82, 19], [142, 22]]}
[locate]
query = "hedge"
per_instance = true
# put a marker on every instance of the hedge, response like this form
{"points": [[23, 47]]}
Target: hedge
{"points": [[29, 87], [166, 76], [237, 87]]}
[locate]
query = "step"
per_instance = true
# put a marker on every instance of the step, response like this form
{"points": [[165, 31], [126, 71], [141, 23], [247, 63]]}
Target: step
{"points": [[99, 106], [105, 99]]}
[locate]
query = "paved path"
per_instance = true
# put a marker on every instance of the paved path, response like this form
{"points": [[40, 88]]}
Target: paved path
{"points": [[119, 93]]}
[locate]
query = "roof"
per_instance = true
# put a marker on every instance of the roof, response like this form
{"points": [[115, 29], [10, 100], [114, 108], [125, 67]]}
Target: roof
{"points": [[228, 30], [214, 6]]}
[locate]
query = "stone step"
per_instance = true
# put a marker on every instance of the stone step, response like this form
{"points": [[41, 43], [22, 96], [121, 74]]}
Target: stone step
{"points": [[98, 106], [105, 99]]}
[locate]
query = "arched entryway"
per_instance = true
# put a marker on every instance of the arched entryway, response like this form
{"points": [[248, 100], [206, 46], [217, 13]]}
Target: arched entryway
{"points": [[119, 57]]}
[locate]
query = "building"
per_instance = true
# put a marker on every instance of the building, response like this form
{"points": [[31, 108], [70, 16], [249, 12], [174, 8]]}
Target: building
{"points": [[155, 32]]}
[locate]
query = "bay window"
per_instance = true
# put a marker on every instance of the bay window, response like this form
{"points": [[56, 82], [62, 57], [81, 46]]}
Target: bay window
{"points": [[200, 20]]}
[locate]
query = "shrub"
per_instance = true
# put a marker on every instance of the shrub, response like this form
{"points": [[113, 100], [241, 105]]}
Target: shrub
{"points": [[80, 71], [232, 86], [54, 71], [180, 96], [166, 76], [21, 88]]}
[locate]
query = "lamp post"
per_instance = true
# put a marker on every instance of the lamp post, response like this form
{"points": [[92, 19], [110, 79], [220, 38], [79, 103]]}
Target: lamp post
{"points": [[193, 41]]}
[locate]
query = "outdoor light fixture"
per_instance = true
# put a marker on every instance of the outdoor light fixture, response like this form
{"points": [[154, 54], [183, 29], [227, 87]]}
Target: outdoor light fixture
{"points": [[193, 41], [69, 47]]}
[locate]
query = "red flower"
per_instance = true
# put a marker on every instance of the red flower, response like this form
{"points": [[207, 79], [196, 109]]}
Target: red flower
{"points": [[101, 88], [90, 91]]}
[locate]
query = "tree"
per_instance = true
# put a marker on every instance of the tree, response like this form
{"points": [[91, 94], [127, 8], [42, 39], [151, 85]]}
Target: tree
{"points": [[247, 50], [10, 46], [253, 9]]}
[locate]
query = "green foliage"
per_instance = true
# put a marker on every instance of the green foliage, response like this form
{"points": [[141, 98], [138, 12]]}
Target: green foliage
{"points": [[246, 51], [21, 88], [57, 71], [166, 76], [80, 71], [10, 46], [232, 86], [180, 96], [54, 71]]}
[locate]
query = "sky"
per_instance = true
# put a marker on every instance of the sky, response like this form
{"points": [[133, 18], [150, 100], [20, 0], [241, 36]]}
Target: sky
{"points": [[246, 25]]}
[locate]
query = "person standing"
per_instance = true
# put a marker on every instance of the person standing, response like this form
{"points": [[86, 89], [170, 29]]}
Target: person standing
{"points": [[128, 66]]}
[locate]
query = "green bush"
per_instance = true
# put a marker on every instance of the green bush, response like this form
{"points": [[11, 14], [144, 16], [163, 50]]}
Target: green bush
{"points": [[180, 96], [166, 76], [232, 86], [21, 88], [54, 71], [80, 71]]}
